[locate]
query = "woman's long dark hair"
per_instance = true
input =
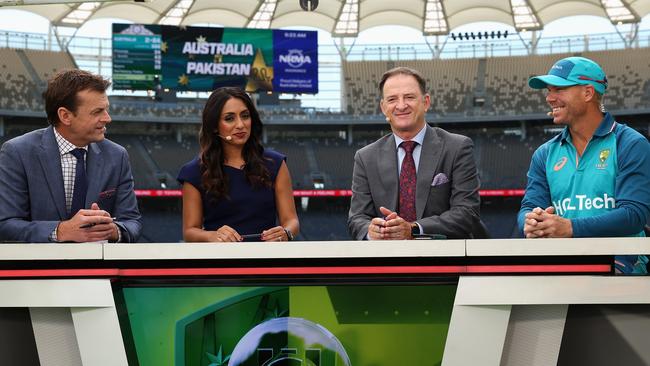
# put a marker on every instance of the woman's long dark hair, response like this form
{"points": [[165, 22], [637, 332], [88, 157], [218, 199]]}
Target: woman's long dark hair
{"points": [[213, 179]]}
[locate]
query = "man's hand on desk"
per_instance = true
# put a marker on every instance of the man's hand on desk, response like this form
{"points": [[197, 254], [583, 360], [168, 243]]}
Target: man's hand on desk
{"points": [[390, 227], [546, 224], [88, 226]]}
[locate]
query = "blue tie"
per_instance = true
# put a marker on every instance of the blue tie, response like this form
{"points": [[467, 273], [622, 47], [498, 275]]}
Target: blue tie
{"points": [[80, 183]]}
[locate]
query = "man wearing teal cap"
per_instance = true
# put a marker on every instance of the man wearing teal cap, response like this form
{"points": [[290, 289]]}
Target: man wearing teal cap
{"points": [[593, 179]]}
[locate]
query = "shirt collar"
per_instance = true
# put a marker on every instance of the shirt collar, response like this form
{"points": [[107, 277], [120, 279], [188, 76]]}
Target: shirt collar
{"points": [[419, 138], [606, 126], [65, 146]]}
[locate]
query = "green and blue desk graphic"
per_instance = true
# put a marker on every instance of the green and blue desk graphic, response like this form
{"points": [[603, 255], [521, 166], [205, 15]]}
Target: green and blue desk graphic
{"points": [[323, 325]]}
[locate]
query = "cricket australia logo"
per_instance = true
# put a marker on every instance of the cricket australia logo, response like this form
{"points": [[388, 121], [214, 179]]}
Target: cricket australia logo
{"points": [[604, 154]]}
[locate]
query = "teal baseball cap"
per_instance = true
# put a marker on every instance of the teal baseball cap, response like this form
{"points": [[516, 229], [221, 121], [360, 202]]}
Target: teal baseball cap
{"points": [[572, 71]]}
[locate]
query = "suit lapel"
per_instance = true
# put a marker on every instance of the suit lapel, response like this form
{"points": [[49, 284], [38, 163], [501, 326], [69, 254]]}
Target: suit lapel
{"points": [[432, 147], [387, 169], [94, 171], [50, 160]]}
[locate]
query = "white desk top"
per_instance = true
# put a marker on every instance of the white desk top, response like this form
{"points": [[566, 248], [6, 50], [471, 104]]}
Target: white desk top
{"points": [[575, 246], [329, 249], [296, 249], [50, 251]]}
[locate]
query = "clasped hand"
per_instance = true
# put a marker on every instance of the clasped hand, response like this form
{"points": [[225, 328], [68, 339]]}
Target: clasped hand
{"points": [[88, 226], [390, 227], [228, 234], [546, 224]]}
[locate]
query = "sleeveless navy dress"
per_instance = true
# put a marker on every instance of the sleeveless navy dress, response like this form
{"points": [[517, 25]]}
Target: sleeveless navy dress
{"points": [[247, 209]]}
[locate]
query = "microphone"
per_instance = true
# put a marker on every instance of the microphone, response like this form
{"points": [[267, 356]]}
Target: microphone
{"points": [[227, 138]]}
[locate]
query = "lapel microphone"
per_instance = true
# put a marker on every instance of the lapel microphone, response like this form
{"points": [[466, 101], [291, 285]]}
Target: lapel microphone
{"points": [[227, 138]]}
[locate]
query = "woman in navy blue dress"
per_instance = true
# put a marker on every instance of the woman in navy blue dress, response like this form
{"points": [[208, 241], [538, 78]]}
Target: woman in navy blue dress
{"points": [[235, 189]]}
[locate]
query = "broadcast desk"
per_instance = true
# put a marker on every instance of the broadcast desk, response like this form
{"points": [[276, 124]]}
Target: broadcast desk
{"points": [[508, 299]]}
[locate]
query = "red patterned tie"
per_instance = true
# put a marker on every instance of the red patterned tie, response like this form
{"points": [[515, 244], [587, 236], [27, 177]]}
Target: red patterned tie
{"points": [[407, 183]]}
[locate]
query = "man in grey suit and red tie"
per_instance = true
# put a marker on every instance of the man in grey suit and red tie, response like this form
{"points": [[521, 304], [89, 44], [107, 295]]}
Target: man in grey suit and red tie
{"points": [[417, 180], [66, 182]]}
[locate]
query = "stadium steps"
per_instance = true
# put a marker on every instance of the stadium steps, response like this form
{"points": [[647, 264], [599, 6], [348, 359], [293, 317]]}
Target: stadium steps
{"points": [[30, 69], [160, 175], [479, 88], [310, 155], [480, 76]]}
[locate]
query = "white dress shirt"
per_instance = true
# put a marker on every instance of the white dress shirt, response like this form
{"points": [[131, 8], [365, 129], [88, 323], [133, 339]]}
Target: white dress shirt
{"points": [[419, 138]]}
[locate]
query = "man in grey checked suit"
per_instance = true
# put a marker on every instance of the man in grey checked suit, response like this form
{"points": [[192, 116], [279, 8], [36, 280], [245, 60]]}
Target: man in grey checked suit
{"points": [[38, 172], [446, 180]]}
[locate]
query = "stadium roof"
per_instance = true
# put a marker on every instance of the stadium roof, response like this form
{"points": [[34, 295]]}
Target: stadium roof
{"points": [[339, 17]]}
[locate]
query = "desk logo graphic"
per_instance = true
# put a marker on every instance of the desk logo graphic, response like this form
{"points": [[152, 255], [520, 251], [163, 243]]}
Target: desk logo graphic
{"points": [[289, 341], [560, 164]]}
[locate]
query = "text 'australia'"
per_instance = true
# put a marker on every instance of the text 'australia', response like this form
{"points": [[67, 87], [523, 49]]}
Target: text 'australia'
{"points": [[214, 48]]}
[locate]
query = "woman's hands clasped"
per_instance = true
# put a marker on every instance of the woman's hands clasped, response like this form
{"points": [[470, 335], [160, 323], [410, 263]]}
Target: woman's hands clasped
{"points": [[275, 234], [226, 234]]}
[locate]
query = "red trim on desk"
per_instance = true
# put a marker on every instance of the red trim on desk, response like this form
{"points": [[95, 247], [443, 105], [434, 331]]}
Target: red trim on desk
{"points": [[101, 272], [291, 271], [158, 272], [541, 268], [266, 271]]}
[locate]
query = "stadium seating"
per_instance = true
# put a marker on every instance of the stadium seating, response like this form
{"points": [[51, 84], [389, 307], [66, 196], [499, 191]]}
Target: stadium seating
{"points": [[454, 84], [18, 91], [506, 77], [160, 137], [144, 173], [143, 109], [628, 73], [325, 219], [168, 156], [161, 220], [297, 161], [47, 63], [448, 81]]}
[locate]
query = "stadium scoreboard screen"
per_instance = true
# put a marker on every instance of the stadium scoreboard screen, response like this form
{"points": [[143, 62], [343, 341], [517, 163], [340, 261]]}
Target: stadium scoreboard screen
{"points": [[137, 60], [150, 57]]}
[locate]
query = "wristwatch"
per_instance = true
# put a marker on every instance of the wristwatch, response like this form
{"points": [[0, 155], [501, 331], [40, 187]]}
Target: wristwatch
{"points": [[289, 234], [415, 230]]}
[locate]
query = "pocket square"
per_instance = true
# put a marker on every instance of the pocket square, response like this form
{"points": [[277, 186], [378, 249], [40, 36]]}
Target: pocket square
{"points": [[106, 194], [440, 178]]}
